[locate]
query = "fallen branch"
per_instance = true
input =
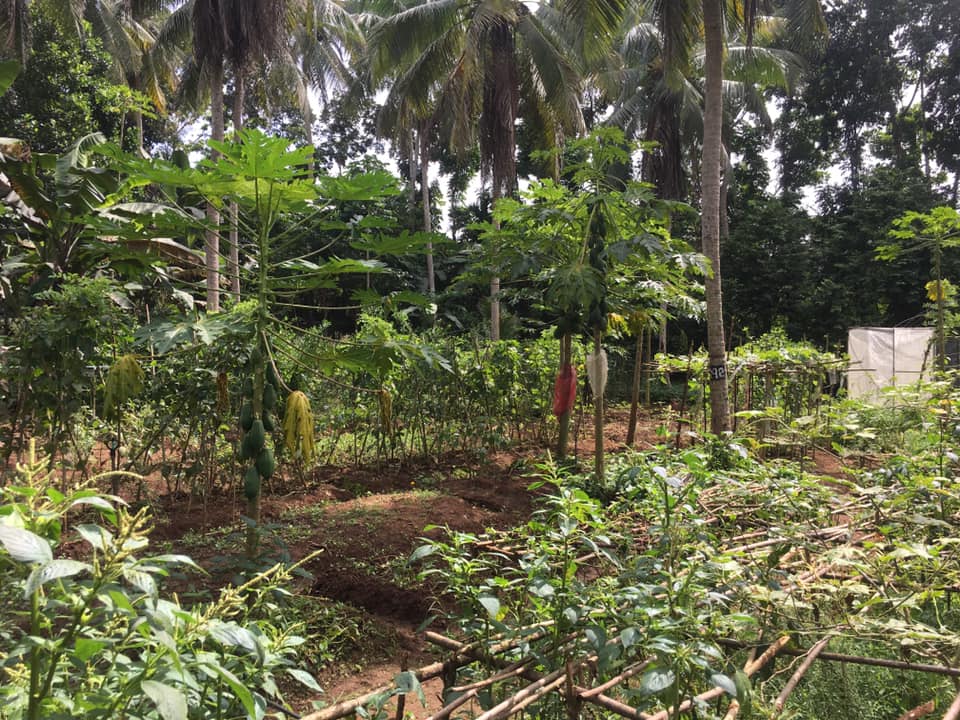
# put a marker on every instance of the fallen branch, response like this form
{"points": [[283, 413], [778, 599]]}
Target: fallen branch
{"points": [[860, 660], [953, 712], [716, 692], [798, 675], [919, 712]]}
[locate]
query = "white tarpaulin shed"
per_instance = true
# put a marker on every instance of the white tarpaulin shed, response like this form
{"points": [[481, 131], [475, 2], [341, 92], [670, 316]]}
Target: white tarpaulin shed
{"points": [[886, 357]]}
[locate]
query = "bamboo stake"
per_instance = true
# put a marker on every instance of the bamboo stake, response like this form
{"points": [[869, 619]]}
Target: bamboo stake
{"points": [[860, 660], [919, 712], [757, 545], [766, 656], [445, 712], [628, 673], [608, 703], [531, 693], [512, 671], [348, 707], [732, 711], [798, 675], [953, 712]]}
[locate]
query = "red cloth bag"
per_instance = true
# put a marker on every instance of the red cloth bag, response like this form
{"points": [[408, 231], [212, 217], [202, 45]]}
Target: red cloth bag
{"points": [[565, 390]]}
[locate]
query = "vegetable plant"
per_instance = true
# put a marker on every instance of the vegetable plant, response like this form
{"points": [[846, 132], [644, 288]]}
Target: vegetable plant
{"points": [[93, 635]]}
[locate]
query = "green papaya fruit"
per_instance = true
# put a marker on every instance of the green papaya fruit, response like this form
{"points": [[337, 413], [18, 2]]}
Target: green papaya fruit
{"points": [[251, 483], [248, 388], [269, 397], [254, 440], [272, 376], [266, 463], [269, 422], [246, 416]]}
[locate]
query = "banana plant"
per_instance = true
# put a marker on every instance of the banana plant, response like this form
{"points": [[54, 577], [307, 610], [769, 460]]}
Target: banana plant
{"points": [[54, 208]]}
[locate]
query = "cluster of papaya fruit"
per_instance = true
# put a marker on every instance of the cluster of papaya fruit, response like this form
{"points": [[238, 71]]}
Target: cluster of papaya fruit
{"points": [[256, 426]]}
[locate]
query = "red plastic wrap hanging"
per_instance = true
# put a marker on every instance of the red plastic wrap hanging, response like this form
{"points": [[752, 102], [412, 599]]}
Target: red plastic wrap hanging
{"points": [[565, 390]]}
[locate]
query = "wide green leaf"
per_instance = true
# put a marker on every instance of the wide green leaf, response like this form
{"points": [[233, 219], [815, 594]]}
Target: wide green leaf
{"points": [[9, 69], [657, 680], [53, 570], [25, 546], [305, 679], [170, 702], [725, 683]]}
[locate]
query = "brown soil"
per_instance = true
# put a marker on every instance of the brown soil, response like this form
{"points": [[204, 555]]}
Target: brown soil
{"points": [[363, 523]]}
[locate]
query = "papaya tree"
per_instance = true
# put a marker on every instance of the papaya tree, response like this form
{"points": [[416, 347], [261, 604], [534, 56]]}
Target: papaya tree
{"points": [[578, 249], [932, 232], [277, 196]]}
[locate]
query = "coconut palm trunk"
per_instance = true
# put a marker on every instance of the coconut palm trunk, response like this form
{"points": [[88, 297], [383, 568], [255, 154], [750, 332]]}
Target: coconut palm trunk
{"points": [[498, 139], [212, 239], [233, 257], [425, 187], [710, 211]]}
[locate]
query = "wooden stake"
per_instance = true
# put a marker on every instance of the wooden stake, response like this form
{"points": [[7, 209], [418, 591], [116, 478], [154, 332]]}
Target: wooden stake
{"points": [[953, 712], [732, 711], [798, 675], [445, 712], [919, 712]]}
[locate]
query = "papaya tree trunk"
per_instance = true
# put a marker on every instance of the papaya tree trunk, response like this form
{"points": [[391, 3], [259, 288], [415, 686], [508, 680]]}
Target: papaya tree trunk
{"points": [[635, 388], [233, 259], [597, 415], [563, 418]]}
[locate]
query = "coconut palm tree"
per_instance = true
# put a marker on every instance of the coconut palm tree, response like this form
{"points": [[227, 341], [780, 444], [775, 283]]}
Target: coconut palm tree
{"points": [[477, 57], [804, 18], [222, 34], [15, 29]]}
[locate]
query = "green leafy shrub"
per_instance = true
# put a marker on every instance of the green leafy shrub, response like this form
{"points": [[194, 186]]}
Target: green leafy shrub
{"points": [[87, 633]]}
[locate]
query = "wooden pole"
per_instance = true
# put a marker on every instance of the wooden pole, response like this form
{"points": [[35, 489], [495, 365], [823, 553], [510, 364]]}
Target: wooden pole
{"points": [[798, 675], [919, 711], [860, 660], [953, 712]]}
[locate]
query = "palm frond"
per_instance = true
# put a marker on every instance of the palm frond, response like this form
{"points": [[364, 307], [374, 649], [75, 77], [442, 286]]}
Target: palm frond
{"points": [[554, 78], [594, 22], [641, 42], [770, 67], [177, 30], [679, 22], [396, 41], [118, 43]]}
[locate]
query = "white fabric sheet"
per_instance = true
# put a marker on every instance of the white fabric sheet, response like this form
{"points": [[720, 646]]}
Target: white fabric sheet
{"points": [[886, 357]]}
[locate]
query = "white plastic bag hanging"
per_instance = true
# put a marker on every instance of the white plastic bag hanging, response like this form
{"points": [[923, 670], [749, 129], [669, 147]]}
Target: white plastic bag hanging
{"points": [[597, 372]]}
